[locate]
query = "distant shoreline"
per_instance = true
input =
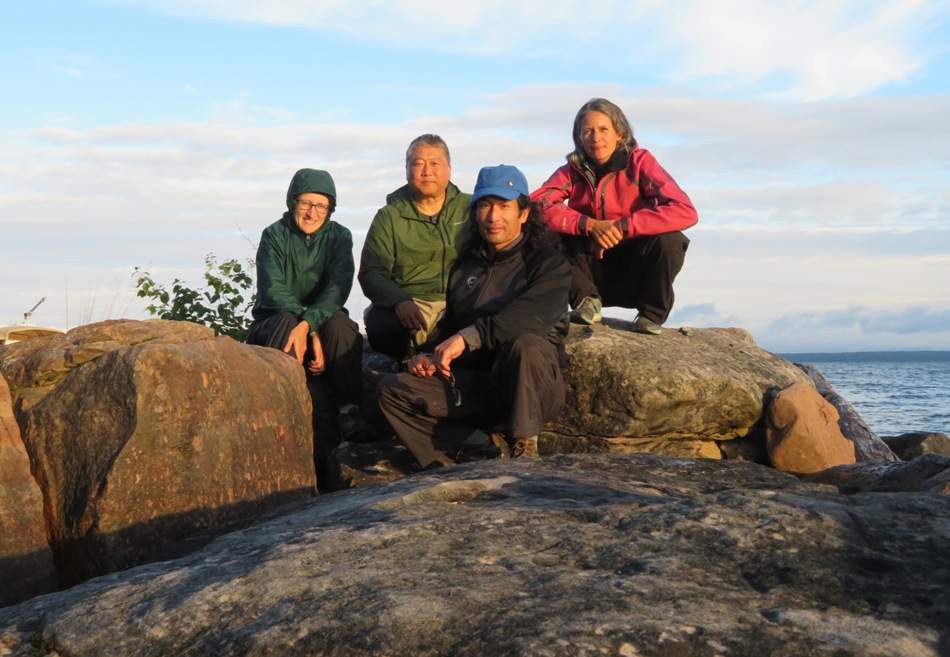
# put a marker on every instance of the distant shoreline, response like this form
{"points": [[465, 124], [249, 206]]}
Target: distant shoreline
{"points": [[868, 357]]}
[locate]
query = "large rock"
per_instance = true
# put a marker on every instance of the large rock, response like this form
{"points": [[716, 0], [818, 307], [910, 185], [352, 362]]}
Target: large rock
{"points": [[143, 445], [34, 367], [692, 393], [868, 447], [929, 473], [908, 446], [564, 556], [678, 393], [26, 563], [803, 434]]}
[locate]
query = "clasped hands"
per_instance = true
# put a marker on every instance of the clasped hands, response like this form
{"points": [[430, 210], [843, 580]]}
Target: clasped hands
{"points": [[605, 233]]}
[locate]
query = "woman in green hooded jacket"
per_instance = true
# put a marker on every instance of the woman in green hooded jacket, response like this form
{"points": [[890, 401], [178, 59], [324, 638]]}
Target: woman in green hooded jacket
{"points": [[304, 275]]}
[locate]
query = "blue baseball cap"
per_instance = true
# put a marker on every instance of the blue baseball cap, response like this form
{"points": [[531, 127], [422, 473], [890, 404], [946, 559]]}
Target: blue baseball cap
{"points": [[503, 180]]}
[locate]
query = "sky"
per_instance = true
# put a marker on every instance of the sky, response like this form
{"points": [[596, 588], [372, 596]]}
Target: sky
{"points": [[811, 136]]}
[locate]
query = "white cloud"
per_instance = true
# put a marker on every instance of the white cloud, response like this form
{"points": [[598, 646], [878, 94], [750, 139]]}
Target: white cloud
{"points": [[794, 49], [804, 211], [828, 49]]}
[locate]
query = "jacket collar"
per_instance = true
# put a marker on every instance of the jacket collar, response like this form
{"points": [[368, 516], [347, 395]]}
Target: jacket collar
{"points": [[401, 199]]}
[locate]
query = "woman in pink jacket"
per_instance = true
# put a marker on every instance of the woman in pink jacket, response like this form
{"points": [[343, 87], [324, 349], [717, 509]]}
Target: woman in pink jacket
{"points": [[620, 216]]}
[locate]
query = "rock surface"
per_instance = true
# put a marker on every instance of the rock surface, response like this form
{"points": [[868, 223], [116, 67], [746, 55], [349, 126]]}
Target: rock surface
{"points": [[803, 434], [909, 446], [678, 393], [139, 445], [867, 445], [687, 393], [26, 563], [929, 473], [638, 556], [34, 367]]}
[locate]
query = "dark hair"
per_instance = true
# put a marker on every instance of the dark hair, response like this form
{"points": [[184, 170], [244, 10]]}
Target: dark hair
{"points": [[534, 229], [616, 116], [435, 141]]}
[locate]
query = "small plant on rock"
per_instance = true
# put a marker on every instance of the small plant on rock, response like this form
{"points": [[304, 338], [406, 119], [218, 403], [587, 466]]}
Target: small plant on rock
{"points": [[223, 304]]}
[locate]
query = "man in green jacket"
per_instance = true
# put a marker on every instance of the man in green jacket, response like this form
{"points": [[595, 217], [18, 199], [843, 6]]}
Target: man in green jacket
{"points": [[410, 247], [304, 275]]}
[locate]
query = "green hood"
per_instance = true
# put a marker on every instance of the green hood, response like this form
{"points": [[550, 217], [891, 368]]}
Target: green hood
{"points": [[311, 180]]}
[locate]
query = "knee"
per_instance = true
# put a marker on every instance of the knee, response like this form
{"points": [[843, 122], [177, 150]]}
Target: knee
{"points": [[524, 346], [672, 244], [340, 325]]}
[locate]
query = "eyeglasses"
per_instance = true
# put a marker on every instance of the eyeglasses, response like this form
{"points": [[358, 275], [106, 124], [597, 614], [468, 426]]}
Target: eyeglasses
{"points": [[456, 393], [306, 206]]}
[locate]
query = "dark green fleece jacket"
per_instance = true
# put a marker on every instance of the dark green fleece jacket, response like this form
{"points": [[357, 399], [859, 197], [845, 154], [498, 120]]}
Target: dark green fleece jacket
{"points": [[308, 275], [406, 256]]}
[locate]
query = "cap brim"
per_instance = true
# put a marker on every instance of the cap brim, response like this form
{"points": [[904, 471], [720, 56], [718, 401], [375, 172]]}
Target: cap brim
{"points": [[508, 193]]}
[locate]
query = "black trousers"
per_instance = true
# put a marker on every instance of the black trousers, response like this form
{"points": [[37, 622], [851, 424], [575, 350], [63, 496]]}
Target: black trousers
{"points": [[637, 273], [385, 334], [522, 391], [342, 349]]}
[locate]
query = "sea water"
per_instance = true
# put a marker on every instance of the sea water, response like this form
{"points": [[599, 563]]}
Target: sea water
{"points": [[893, 392]]}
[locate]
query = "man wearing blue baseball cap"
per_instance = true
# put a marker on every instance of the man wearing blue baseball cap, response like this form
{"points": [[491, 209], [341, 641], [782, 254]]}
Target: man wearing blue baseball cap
{"points": [[494, 358]]}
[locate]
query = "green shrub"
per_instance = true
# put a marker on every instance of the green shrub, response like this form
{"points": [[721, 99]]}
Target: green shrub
{"points": [[223, 304]]}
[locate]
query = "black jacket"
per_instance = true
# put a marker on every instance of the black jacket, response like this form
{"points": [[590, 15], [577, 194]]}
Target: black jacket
{"points": [[518, 290]]}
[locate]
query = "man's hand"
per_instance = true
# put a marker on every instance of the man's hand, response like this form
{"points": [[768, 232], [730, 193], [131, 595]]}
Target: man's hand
{"points": [[318, 365], [297, 341], [421, 365], [448, 351], [607, 234], [409, 315]]}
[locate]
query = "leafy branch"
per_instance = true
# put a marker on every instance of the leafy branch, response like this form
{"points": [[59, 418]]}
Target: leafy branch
{"points": [[223, 304]]}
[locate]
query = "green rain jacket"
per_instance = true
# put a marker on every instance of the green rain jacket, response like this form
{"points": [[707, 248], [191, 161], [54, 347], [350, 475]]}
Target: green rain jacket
{"points": [[308, 275], [406, 256]]}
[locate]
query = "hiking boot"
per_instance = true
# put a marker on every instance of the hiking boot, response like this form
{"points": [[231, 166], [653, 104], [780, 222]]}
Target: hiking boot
{"points": [[525, 448], [644, 325], [587, 311], [353, 428], [481, 447]]}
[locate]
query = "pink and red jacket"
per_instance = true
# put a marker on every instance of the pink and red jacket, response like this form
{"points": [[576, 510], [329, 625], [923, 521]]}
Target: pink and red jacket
{"points": [[643, 197]]}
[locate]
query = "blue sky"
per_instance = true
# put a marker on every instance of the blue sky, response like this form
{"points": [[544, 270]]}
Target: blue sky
{"points": [[813, 140]]}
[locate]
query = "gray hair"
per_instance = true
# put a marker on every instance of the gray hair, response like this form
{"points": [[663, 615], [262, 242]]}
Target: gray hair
{"points": [[616, 116], [435, 141]]}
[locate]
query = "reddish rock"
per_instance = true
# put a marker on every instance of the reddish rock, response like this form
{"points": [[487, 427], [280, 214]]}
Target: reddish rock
{"points": [[146, 444], [26, 563], [34, 367], [802, 434], [868, 446]]}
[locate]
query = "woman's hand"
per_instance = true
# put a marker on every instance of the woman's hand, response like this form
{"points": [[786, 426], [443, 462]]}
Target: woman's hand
{"points": [[318, 365], [297, 341], [606, 233]]}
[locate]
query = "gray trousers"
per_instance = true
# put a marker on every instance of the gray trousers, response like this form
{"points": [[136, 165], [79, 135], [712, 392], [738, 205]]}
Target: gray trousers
{"points": [[521, 391]]}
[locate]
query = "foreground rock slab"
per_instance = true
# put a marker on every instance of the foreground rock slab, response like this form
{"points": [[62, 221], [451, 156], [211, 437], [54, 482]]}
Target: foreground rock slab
{"points": [[639, 556]]}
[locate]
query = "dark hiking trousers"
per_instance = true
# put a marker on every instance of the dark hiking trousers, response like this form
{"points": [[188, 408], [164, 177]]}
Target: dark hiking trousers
{"points": [[637, 273], [342, 349], [385, 332], [522, 391]]}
